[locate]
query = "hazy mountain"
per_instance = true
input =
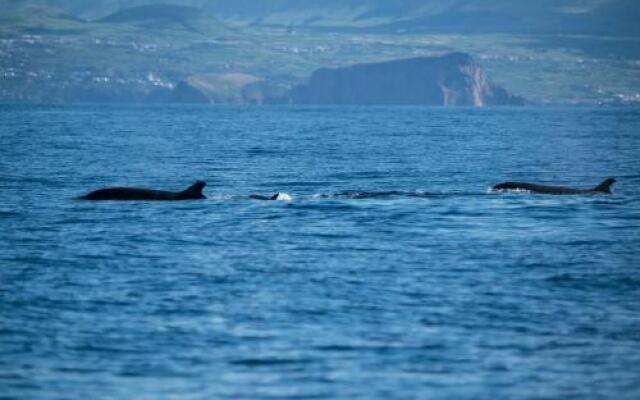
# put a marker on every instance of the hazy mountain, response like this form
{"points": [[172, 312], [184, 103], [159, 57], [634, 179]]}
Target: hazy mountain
{"points": [[612, 17], [606, 17], [161, 12]]}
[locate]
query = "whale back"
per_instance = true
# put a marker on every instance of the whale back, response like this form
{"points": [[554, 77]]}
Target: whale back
{"points": [[605, 186], [194, 191]]}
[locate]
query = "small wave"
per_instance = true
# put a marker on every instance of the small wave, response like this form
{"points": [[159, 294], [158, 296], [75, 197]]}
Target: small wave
{"points": [[258, 151], [376, 347], [324, 206], [4, 213], [588, 281], [78, 370], [74, 220], [359, 175], [354, 194], [24, 180], [268, 362], [293, 184], [106, 349]]}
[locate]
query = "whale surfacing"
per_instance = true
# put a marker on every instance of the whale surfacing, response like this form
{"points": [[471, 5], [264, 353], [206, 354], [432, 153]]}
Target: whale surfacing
{"points": [[280, 196], [603, 188], [193, 192]]}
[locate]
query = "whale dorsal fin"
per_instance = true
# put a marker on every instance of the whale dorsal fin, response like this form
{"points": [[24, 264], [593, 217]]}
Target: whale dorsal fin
{"points": [[195, 191], [605, 186]]}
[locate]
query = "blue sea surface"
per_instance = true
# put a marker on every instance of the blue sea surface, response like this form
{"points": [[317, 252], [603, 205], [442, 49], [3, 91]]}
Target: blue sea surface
{"points": [[393, 273]]}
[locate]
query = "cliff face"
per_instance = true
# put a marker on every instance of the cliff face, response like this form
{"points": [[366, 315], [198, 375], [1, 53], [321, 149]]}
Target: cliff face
{"points": [[453, 79]]}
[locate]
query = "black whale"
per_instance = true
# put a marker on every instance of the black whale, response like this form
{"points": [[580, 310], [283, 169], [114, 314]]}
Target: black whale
{"points": [[604, 187], [193, 192]]}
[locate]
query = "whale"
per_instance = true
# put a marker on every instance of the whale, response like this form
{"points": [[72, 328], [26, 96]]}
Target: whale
{"points": [[193, 192], [280, 196], [602, 188]]}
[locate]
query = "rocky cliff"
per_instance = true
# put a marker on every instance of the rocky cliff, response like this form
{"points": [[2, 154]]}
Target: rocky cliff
{"points": [[453, 79]]}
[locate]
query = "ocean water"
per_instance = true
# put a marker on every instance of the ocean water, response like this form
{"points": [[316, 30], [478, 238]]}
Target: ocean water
{"points": [[393, 272]]}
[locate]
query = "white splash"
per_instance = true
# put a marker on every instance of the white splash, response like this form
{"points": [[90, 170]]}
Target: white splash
{"points": [[281, 196]]}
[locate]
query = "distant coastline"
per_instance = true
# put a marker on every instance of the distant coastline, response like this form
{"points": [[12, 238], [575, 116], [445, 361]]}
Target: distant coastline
{"points": [[250, 52]]}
